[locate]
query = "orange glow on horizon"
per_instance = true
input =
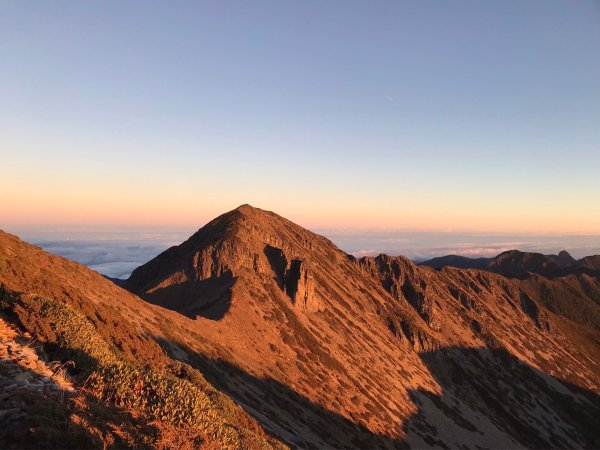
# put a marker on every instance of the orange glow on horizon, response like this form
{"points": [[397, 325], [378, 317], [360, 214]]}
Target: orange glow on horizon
{"points": [[85, 208], [103, 198]]}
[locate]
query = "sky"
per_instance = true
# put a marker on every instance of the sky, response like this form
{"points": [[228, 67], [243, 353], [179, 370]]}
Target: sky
{"points": [[423, 116]]}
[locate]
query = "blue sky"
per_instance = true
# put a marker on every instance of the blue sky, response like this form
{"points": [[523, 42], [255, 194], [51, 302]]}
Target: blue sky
{"points": [[429, 115]]}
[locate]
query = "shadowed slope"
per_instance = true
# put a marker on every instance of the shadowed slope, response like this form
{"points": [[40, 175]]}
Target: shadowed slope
{"points": [[492, 399], [476, 403]]}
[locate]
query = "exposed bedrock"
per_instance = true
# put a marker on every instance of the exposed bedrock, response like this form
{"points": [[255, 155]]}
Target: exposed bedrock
{"points": [[396, 275]]}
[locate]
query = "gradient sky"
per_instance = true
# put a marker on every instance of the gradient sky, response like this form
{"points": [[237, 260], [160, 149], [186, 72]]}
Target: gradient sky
{"points": [[426, 115]]}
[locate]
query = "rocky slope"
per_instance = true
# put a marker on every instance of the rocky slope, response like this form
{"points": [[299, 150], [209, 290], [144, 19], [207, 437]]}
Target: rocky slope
{"points": [[329, 351], [562, 284]]}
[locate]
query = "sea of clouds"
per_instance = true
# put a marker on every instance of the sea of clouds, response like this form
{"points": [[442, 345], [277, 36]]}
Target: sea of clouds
{"points": [[420, 246], [114, 252], [117, 252]]}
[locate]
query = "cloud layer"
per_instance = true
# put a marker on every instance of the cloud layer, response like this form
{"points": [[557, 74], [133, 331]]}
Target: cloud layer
{"points": [[115, 254], [423, 246]]}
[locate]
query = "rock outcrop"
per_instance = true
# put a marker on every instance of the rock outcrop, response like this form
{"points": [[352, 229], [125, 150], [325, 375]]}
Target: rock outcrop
{"points": [[396, 275]]}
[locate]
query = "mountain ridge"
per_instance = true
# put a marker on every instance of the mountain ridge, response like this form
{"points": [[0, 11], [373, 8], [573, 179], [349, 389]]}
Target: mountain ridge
{"points": [[325, 350], [519, 264]]}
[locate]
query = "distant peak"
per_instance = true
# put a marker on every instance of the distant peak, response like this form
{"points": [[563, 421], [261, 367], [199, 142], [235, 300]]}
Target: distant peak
{"points": [[564, 258], [508, 253]]}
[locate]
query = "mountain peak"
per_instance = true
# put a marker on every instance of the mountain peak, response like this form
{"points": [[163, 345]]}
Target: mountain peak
{"points": [[564, 258], [245, 245], [248, 211], [245, 223], [231, 220], [247, 208]]}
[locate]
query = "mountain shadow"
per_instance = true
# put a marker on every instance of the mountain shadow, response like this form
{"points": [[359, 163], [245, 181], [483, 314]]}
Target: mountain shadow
{"points": [[491, 392], [488, 399], [209, 298], [33, 415], [286, 414]]}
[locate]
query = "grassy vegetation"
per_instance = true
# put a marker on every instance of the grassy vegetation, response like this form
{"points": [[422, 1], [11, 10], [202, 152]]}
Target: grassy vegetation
{"points": [[179, 396]]}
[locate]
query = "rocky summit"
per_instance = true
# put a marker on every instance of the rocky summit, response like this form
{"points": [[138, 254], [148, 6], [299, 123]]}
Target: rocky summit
{"points": [[257, 333]]}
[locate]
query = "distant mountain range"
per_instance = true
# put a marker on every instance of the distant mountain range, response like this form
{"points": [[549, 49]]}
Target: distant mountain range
{"points": [[257, 333], [516, 264]]}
